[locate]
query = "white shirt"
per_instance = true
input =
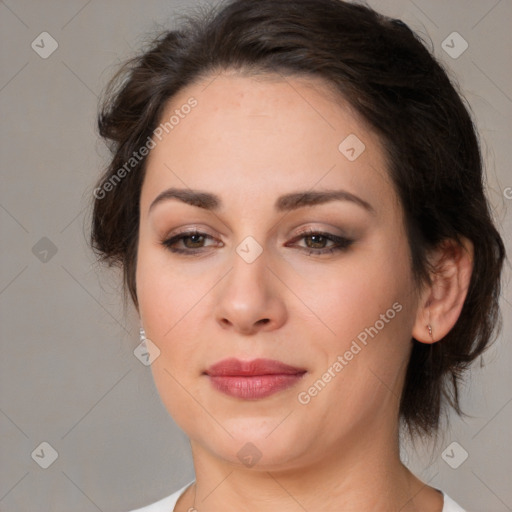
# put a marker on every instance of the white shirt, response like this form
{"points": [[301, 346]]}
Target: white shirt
{"points": [[167, 504]]}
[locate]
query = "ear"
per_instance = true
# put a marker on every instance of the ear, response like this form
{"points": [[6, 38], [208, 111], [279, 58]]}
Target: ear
{"points": [[441, 301]]}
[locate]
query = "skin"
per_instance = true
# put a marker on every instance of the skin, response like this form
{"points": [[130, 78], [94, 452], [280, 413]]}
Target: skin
{"points": [[250, 140]]}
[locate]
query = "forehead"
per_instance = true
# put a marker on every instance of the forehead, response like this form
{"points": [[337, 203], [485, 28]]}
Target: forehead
{"points": [[263, 134]]}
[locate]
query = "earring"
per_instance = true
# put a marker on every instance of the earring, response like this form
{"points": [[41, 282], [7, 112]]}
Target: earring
{"points": [[142, 334], [429, 326]]}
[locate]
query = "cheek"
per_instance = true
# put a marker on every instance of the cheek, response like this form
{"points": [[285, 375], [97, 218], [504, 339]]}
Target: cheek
{"points": [[165, 291], [367, 324], [175, 304], [353, 296], [168, 299], [369, 311]]}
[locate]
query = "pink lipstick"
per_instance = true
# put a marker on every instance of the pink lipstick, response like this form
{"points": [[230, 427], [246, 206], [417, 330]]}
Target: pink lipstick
{"points": [[252, 380]]}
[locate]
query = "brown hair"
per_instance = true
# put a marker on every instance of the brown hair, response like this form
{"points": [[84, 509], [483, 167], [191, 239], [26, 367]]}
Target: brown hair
{"points": [[387, 74]]}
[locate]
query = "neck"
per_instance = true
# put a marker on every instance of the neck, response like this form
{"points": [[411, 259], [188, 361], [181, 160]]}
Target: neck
{"points": [[364, 474]]}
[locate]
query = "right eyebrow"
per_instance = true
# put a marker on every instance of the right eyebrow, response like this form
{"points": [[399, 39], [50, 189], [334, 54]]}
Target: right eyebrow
{"points": [[197, 198]]}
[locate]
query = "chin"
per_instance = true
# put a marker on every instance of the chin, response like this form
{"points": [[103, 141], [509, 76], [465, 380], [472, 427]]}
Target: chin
{"points": [[257, 443]]}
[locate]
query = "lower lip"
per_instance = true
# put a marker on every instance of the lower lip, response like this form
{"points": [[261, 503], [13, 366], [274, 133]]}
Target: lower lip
{"points": [[255, 386]]}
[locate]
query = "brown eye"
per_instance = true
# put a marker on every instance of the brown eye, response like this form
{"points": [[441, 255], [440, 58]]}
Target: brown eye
{"points": [[318, 241], [195, 239], [192, 241]]}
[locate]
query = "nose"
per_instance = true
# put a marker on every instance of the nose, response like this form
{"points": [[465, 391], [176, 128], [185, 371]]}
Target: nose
{"points": [[251, 298]]}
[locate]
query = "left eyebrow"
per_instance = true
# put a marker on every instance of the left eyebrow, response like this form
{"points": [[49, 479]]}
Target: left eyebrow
{"points": [[286, 202], [296, 200]]}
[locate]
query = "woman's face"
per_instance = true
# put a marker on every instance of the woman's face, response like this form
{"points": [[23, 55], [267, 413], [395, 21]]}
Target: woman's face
{"points": [[321, 288]]}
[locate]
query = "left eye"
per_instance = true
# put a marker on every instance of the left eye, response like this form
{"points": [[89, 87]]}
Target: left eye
{"points": [[321, 238]]}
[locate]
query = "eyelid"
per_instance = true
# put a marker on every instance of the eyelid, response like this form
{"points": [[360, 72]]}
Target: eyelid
{"points": [[175, 237], [332, 231], [341, 243]]}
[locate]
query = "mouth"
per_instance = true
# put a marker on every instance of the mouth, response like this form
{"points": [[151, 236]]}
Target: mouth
{"points": [[253, 380]]}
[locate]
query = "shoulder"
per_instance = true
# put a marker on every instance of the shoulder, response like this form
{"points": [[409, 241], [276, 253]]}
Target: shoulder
{"points": [[450, 505], [166, 504]]}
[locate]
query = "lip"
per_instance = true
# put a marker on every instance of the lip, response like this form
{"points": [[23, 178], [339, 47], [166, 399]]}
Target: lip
{"points": [[252, 380]]}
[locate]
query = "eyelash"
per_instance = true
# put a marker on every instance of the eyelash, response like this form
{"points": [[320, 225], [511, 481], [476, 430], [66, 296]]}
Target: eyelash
{"points": [[342, 242]]}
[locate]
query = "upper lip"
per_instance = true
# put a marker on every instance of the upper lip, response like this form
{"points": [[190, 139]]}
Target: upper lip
{"points": [[236, 367]]}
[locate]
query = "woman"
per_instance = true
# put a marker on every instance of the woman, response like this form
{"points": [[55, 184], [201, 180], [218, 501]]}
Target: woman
{"points": [[296, 199]]}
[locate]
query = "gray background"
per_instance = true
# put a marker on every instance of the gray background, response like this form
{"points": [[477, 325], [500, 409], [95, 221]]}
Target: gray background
{"points": [[68, 375]]}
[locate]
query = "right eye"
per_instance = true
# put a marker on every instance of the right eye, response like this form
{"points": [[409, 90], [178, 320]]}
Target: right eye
{"points": [[191, 240]]}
